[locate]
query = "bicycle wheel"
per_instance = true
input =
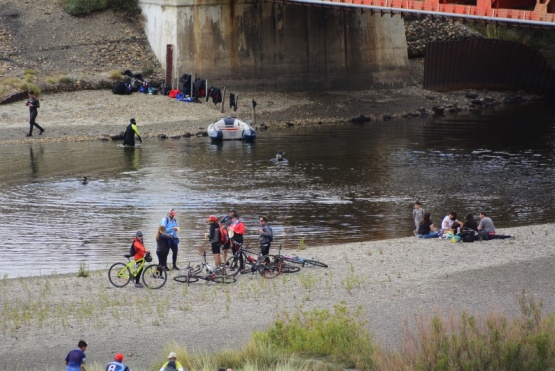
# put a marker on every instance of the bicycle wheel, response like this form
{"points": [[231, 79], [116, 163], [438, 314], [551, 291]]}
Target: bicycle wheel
{"points": [[231, 267], [155, 276], [119, 275], [185, 279], [288, 268], [270, 266], [314, 263], [224, 279]]}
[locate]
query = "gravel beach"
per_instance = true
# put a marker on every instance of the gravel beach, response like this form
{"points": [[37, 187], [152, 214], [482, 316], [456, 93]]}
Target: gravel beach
{"points": [[393, 281]]}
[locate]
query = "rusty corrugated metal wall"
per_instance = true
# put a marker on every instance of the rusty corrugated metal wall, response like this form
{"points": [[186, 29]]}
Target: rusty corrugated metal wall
{"points": [[486, 64]]}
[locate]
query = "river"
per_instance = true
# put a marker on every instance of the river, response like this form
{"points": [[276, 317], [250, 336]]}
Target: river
{"points": [[342, 184]]}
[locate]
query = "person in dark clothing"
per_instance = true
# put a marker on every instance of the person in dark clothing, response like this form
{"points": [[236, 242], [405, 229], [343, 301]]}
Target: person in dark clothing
{"points": [[226, 222], [163, 241], [130, 131], [33, 104], [426, 229], [470, 222], [266, 236], [214, 238]]}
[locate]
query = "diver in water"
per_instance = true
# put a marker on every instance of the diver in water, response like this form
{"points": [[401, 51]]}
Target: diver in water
{"points": [[130, 131], [279, 159], [84, 180]]}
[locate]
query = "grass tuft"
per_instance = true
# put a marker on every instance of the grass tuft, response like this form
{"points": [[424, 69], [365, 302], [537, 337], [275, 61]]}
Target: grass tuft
{"points": [[83, 270]]}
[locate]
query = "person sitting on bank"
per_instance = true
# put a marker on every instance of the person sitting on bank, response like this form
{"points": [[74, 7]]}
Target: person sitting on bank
{"points": [[426, 229], [130, 131], [486, 229], [450, 224]]}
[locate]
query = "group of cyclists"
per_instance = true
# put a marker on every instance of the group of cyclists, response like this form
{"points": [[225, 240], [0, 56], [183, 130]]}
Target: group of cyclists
{"points": [[224, 234]]}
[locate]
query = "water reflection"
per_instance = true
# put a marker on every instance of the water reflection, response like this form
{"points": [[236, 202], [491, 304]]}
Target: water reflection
{"points": [[341, 184]]}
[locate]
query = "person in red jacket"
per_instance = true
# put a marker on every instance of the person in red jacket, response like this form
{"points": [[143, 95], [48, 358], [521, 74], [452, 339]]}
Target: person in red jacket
{"points": [[140, 252], [238, 229]]}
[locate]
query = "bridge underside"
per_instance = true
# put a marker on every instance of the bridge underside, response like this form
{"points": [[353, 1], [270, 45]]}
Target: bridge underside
{"points": [[266, 45]]}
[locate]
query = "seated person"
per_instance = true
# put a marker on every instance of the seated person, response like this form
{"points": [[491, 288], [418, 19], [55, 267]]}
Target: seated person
{"points": [[450, 224], [470, 222], [487, 229], [426, 228]]}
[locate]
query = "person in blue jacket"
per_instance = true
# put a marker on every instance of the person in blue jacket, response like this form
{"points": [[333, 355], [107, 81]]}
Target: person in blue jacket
{"points": [[117, 364], [130, 131], [172, 229]]}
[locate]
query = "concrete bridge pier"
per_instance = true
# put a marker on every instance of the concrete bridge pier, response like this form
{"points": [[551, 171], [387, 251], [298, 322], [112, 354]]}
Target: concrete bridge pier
{"points": [[257, 44]]}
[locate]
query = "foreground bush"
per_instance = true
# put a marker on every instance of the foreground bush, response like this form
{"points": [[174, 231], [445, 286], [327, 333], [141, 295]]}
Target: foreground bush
{"points": [[339, 337], [470, 343]]}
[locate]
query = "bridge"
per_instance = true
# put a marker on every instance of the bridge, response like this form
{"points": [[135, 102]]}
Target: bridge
{"points": [[305, 44], [528, 13]]}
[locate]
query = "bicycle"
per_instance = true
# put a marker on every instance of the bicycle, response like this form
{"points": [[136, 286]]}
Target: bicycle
{"points": [[213, 273], [301, 261], [268, 266], [154, 276]]}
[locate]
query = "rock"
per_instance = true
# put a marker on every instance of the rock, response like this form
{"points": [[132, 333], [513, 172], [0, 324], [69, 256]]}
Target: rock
{"points": [[471, 95], [360, 119], [477, 102], [162, 136], [175, 137], [263, 127], [387, 117], [289, 124], [438, 110], [188, 135], [117, 136], [201, 133]]}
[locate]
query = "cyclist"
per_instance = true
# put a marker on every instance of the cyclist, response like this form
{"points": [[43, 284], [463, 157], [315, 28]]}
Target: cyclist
{"points": [[117, 364], [140, 253], [214, 238], [236, 232], [226, 222]]}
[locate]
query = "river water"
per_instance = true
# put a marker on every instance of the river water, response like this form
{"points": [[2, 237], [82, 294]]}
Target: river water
{"points": [[342, 184]]}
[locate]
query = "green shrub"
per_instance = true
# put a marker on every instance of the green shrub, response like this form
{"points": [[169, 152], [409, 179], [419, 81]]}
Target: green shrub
{"points": [[493, 343], [339, 336], [83, 270], [147, 71], [27, 86], [84, 7], [115, 75], [128, 6]]}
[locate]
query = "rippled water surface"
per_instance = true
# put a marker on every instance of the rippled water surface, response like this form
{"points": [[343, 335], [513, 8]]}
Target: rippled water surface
{"points": [[342, 184]]}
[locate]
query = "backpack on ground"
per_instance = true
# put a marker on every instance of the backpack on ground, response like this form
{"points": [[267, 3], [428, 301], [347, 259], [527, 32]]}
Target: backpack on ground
{"points": [[121, 88], [468, 235]]}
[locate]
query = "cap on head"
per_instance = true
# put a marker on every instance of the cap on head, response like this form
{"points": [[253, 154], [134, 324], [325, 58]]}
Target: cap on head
{"points": [[118, 357], [139, 234], [172, 213], [172, 355], [212, 218], [132, 121]]}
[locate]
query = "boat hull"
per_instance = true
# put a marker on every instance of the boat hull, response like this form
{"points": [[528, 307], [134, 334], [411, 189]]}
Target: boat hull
{"points": [[230, 128]]}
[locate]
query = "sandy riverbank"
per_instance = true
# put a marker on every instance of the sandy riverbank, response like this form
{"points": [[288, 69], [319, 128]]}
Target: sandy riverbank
{"points": [[393, 281]]}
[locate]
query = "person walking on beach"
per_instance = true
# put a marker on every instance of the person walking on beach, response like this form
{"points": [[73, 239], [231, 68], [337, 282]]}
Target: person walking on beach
{"points": [[130, 131], [266, 235], [172, 229], [163, 241], [426, 229], [417, 215], [33, 104], [140, 252], [117, 364], [75, 359], [214, 238], [172, 364]]}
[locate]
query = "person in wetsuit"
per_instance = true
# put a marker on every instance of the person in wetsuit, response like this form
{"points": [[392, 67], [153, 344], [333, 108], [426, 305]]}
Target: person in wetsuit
{"points": [[130, 131], [33, 104]]}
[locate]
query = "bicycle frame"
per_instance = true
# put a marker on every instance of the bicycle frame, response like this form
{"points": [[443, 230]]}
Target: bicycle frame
{"points": [[153, 275]]}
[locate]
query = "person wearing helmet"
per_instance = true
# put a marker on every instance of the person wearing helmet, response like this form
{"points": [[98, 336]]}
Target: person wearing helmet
{"points": [[225, 222], [140, 253], [214, 238], [130, 131]]}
